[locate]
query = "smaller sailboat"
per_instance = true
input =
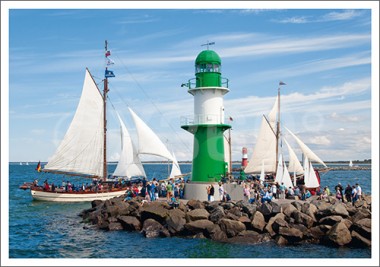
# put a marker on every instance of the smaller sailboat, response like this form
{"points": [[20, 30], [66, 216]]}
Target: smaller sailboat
{"points": [[129, 165], [350, 164]]}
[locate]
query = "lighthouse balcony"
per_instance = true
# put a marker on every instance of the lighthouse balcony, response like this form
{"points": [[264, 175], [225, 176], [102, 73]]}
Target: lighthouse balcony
{"points": [[194, 83], [202, 119]]}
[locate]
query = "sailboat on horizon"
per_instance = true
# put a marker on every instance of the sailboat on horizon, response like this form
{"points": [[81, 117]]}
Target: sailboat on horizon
{"points": [[267, 157]]}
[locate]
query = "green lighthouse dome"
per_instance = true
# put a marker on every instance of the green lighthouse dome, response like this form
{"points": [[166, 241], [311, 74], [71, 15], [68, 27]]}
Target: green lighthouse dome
{"points": [[208, 69], [208, 56]]}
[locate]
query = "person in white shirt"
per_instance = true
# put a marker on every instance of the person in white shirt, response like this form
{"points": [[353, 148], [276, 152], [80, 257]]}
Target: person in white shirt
{"points": [[221, 191], [359, 191]]}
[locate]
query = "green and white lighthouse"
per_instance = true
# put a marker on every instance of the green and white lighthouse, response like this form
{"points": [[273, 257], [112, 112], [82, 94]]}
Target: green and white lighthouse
{"points": [[208, 88]]}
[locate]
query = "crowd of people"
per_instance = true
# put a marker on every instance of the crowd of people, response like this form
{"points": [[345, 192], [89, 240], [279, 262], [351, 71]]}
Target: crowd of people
{"points": [[256, 191], [173, 190], [152, 190], [348, 194]]}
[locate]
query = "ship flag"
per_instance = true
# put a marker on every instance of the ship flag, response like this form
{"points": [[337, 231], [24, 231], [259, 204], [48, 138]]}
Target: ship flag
{"points": [[38, 168]]}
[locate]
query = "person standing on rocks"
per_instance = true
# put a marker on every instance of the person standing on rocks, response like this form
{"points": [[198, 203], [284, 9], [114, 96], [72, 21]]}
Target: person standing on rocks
{"points": [[247, 193], [208, 188], [212, 192], [221, 191], [348, 193], [338, 187], [359, 189], [354, 194]]}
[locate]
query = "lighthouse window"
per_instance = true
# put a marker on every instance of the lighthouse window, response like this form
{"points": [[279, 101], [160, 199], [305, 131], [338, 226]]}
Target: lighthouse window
{"points": [[197, 69], [207, 68], [216, 68]]}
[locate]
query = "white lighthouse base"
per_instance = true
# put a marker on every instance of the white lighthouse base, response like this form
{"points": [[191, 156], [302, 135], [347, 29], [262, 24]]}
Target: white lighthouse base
{"points": [[198, 191]]}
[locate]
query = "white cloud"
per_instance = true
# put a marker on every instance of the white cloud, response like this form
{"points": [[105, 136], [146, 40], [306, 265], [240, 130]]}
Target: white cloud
{"points": [[331, 16], [344, 15], [293, 20]]}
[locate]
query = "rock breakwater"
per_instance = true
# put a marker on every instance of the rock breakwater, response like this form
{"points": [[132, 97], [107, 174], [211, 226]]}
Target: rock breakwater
{"points": [[285, 222]]}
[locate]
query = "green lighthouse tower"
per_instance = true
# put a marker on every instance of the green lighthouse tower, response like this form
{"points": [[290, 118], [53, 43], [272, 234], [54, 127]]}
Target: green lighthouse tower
{"points": [[208, 88]]}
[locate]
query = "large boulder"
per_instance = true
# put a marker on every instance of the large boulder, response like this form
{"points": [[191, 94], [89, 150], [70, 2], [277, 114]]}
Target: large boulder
{"points": [[155, 211], [316, 233], [339, 209], [250, 209], [302, 218], [258, 221], [231, 227], [279, 222], [276, 208], [309, 209], [123, 207], [361, 214], [249, 237], [212, 206], [297, 204], [152, 228], [175, 221], [291, 234], [215, 233], [269, 228], [266, 209], [331, 220], [335, 209], [235, 211], [363, 227], [246, 221], [195, 204], [115, 226], [359, 240], [198, 226], [197, 214], [339, 234], [288, 209], [216, 214], [129, 223], [97, 203]]}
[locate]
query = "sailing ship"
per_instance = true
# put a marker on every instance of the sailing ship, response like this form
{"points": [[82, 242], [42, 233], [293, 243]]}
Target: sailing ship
{"points": [[267, 157], [83, 150], [130, 165]]}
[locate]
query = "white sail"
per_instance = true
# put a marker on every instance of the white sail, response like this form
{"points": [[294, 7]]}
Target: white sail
{"points": [[272, 116], [350, 164], [280, 170], [81, 150], [294, 164], [286, 178], [306, 150], [310, 178], [149, 142], [176, 171], [264, 150], [129, 164]]}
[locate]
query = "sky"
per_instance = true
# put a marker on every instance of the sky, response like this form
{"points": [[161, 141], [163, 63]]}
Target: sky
{"points": [[325, 57]]}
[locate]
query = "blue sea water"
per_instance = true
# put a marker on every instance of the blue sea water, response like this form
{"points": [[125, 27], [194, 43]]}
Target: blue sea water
{"points": [[54, 230]]}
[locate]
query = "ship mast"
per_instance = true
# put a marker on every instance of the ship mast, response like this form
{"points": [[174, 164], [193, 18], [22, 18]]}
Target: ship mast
{"points": [[278, 132], [105, 90], [278, 125]]}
